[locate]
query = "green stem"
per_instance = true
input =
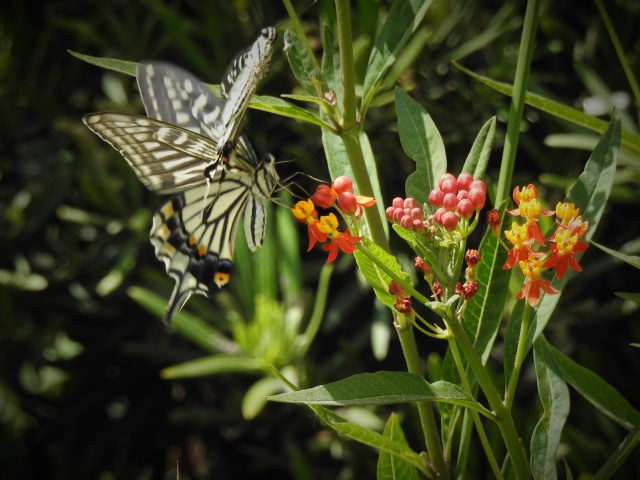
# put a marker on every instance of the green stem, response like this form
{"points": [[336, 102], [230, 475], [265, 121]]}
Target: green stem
{"points": [[502, 413], [474, 415], [350, 132], [527, 43], [425, 409], [319, 309], [520, 353]]}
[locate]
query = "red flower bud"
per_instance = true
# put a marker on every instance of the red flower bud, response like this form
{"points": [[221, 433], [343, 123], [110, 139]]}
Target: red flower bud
{"points": [[477, 197], [323, 197], [449, 220], [464, 180], [410, 203], [472, 257], [398, 202], [343, 184], [465, 208], [347, 202], [436, 197], [450, 201]]}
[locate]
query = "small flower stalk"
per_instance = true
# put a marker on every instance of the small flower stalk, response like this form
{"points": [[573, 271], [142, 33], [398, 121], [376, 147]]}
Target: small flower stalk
{"points": [[325, 228], [529, 250]]}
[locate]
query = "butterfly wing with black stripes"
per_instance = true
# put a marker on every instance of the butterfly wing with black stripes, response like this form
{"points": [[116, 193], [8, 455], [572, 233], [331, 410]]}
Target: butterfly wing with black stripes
{"points": [[192, 236]]}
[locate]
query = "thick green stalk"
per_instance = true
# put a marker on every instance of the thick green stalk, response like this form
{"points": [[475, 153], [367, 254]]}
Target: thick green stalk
{"points": [[425, 409], [517, 101], [520, 353], [350, 132], [502, 413], [495, 468]]}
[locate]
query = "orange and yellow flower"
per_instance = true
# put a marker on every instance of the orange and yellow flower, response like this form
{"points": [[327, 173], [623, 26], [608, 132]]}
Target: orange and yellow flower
{"points": [[532, 268]]}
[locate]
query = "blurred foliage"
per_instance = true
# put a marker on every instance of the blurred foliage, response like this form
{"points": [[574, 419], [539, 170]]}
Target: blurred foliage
{"points": [[80, 389]]}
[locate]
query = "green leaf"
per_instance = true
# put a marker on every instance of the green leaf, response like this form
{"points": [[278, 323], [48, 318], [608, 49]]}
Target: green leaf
{"points": [[597, 392], [478, 158], [120, 66], [631, 260], [372, 439], [391, 467], [214, 365], [629, 140], [376, 277], [303, 65], [331, 70], [255, 397], [421, 142], [189, 326], [619, 455], [281, 107], [381, 388], [554, 396], [632, 297], [404, 18]]}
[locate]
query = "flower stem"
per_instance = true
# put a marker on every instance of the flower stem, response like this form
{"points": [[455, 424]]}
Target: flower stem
{"points": [[503, 414], [425, 409], [520, 353]]}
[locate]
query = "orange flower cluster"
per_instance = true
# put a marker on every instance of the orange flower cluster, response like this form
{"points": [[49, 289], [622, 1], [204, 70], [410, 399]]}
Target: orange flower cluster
{"points": [[531, 259], [339, 195]]}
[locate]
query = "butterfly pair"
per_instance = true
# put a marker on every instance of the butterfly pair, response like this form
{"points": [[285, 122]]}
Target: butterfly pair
{"points": [[191, 145]]}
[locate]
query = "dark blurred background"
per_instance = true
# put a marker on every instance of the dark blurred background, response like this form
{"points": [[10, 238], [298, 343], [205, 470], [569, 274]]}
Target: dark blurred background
{"points": [[80, 390]]}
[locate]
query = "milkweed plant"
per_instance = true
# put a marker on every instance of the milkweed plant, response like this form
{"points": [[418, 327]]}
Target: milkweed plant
{"points": [[462, 289], [463, 280]]}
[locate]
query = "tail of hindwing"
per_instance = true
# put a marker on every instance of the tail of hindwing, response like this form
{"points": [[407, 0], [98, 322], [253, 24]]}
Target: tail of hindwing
{"points": [[194, 268]]}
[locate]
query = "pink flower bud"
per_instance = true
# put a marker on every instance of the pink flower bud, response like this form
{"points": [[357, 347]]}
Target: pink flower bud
{"points": [[477, 197], [343, 184], [462, 194], [449, 220], [437, 217], [389, 213], [416, 213], [398, 213], [445, 177], [450, 201], [410, 203], [347, 202], [406, 222], [418, 226], [464, 180], [398, 202], [450, 185], [436, 197], [465, 208], [323, 197], [478, 184]]}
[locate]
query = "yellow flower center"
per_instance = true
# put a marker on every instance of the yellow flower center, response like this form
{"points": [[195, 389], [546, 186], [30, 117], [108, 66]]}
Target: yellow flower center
{"points": [[328, 224]]}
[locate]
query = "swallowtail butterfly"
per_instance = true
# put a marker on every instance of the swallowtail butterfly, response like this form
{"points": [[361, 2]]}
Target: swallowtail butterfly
{"points": [[169, 152]]}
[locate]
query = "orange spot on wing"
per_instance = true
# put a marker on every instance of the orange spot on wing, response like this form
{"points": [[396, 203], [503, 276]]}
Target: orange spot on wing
{"points": [[221, 279]]}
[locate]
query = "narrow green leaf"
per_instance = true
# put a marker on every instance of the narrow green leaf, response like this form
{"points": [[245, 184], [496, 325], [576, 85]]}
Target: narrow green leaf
{"points": [[631, 260], [629, 140], [303, 65], [381, 388], [391, 467], [404, 18], [422, 143], [478, 158], [120, 66], [376, 277], [619, 455], [256, 395], [214, 365], [188, 325], [597, 392], [331, 64], [632, 297], [372, 439], [554, 396], [281, 107]]}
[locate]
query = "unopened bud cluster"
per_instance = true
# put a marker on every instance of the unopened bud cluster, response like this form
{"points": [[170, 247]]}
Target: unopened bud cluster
{"points": [[456, 198]]}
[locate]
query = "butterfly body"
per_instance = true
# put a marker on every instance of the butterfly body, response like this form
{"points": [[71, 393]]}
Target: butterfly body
{"points": [[193, 232]]}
